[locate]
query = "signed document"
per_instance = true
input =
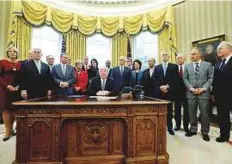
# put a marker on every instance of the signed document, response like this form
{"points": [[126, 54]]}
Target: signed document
{"points": [[104, 97]]}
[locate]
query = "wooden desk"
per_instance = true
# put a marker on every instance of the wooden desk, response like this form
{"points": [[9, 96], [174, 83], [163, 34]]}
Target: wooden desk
{"points": [[88, 131]]}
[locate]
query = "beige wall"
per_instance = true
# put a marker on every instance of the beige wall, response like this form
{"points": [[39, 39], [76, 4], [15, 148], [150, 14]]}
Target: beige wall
{"points": [[4, 24], [201, 19]]}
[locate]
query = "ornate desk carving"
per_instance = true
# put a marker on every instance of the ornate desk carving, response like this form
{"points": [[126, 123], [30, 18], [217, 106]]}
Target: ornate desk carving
{"points": [[85, 131]]}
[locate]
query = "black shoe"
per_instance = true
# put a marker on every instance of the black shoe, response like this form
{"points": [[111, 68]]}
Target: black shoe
{"points": [[13, 133], [177, 128], [221, 139], [190, 134], [171, 132], [205, 137], [5, 139], [186, 130]]}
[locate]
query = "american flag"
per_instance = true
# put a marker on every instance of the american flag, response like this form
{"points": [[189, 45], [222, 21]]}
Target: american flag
{"points": [[63, 47]]}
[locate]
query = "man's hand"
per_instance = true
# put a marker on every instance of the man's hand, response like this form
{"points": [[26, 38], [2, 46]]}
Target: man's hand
{"points": [[194, 91], [102, 93], [200, 91], [49, 93], [66, 85], [77, 88], [164, 88], [11, 88], [24, 94]]}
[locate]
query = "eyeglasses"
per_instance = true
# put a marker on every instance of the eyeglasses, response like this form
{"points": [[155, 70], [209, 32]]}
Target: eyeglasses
{"points": [[37, 52]]}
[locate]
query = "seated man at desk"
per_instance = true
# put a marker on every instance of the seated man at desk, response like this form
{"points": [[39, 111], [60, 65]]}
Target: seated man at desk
{"points": [[103, 85]]}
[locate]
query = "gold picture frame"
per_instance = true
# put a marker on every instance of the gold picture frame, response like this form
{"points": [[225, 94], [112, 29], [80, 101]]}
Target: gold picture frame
{"points": [[208, 47]]}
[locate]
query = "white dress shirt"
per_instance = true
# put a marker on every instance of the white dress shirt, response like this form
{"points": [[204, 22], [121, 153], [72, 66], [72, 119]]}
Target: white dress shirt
{"points": [[151, 70], [38, 65]]}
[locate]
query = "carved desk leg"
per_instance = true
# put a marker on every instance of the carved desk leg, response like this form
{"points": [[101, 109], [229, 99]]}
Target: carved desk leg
{"points": [[21, 141], [163, 156]]}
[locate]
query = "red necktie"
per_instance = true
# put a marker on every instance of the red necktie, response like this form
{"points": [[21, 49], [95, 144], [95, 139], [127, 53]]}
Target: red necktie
{"points": [[181, 72]]}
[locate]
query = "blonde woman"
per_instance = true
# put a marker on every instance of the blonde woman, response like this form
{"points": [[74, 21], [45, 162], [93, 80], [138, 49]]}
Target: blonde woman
{"points": [[9, 82]]}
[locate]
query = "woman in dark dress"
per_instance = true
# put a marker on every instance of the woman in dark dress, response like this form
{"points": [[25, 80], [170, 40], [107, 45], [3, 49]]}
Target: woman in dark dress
{"points": [[9, 82], [93, 71]]}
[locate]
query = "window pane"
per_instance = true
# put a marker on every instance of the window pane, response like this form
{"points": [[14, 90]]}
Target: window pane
{"points": [[48, 40], [145, 46], [99, 47]]}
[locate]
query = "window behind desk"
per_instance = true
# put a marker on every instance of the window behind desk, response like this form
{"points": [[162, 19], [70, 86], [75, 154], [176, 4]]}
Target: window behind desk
{"points": [[99, 47], [145, 46], [48, 40]]}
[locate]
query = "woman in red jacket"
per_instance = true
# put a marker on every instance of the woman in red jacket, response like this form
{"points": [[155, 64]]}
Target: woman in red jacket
{"points": [[9, 85], [80, 86]]}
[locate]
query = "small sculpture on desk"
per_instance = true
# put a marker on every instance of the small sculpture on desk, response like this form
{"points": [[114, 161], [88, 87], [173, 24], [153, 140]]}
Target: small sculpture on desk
{"points": [[126, 93], [138, 92]]}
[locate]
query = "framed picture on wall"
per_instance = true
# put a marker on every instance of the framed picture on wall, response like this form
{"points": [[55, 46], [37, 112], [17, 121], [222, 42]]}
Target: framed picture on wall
{"points": [[208, 47]]}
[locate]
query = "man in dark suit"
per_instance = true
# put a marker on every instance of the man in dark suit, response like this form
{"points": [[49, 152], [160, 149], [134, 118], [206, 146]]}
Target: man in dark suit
{"points": [[167, 82], [103, 85], [86, 65], [129, 63], [108, 65], [50, 61], [222, 89], [64, 77], [122, 75], [198, 78], [180, 98], [36, 79], [149, 82]]}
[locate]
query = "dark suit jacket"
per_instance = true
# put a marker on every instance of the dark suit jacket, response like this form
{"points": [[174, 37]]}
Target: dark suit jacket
{"points": [[171, 78], [69, 77], [95, 86], [92, 73], [139, 78], [34, 83], [149, 83], [222, 83], [121, 81]]}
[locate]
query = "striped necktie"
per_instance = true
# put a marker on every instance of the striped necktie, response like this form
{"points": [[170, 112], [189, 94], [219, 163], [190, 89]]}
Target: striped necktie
{"points": [[197, 69]]}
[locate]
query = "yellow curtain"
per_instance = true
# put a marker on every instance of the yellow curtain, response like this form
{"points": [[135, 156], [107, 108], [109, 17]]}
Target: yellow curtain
{"points": [[159, 21], [21, 37], [75, 46], [167, 38], [119, 47]]}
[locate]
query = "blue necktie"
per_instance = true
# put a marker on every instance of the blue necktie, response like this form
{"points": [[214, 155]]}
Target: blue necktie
{"points": [[223, 65]]}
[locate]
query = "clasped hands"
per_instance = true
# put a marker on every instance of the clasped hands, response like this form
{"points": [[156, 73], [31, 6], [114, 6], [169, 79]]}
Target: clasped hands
{"points": [[164, 88], [197, 91], [102, 93], [64, 84]]}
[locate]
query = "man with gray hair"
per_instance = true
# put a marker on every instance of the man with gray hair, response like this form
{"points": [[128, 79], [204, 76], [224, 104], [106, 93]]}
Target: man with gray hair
{"points": [[198, 78], [180, 99], [222, 89], [36, 79], [50, 60], [103, 85], [167, 78]]}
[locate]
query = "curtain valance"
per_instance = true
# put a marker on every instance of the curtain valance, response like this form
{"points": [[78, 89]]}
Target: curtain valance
{"points": [[37, 14]]}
